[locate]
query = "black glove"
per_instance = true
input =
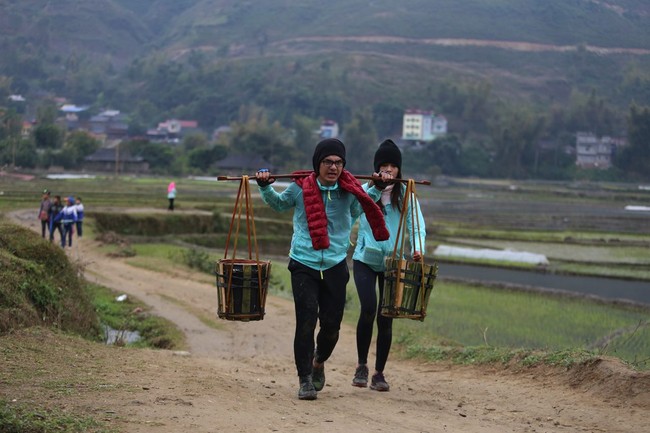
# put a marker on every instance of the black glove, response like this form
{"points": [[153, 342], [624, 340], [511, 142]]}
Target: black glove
{"points": [[380, 185], [263, 183]]}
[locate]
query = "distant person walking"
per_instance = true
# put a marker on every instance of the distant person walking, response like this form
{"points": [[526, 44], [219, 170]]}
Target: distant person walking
{"points": [[56, 213], [44, 212], [79, 206], [68, 219], [171, 195]]}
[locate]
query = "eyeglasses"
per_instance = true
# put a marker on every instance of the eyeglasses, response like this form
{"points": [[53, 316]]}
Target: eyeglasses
{"points": [[328, 163]]}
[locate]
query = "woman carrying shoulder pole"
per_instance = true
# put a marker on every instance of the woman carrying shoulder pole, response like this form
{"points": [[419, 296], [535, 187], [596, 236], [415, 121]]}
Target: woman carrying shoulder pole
{"points": [[369, 266]]}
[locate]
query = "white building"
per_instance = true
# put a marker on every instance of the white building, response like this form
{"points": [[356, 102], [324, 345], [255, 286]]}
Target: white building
{"points": [[593, 152], [423, 125], [329, 129]]}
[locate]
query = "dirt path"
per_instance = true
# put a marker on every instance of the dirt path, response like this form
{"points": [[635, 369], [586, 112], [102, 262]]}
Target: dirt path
{"points": [[241, 377], [460, 42]]}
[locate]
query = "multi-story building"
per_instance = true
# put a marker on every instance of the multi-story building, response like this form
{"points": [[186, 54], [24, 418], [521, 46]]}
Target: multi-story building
{"points": [[423, 125], [594, 152]]}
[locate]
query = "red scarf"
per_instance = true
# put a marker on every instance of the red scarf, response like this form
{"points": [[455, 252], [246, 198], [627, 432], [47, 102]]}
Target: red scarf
{"points": [[315, 208]]}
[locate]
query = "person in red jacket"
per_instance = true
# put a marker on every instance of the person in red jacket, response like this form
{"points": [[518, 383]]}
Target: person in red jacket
{"points": [[325, 202]]}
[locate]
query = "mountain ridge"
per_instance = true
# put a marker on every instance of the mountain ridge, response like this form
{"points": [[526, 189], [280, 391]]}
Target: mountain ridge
{"points": [[124, 29]]}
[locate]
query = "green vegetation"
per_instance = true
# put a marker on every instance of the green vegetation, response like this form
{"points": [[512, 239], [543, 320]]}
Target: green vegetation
{"points": [[131, 315], [21, 418], [476, 316], [39, 286]]}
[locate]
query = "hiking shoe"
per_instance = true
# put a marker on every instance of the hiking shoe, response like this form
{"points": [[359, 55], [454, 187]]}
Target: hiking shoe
{"points": [[361, 376], [306, 390], [378, 383], [318, 377]]}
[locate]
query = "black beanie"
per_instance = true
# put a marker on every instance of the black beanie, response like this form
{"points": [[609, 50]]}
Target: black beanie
{"points": [[327, 147], [388, 152]]}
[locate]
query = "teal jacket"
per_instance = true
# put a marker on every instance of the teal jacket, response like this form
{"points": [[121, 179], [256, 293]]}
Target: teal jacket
{"points": [[342, 209], [372, 252]]}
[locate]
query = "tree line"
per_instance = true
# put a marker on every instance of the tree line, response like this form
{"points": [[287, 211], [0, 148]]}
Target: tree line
{"points": [[275, 114]]}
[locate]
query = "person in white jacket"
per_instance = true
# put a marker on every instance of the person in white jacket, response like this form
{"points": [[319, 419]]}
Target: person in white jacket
{"points": [[68, 219], [369, 266], [79, 206]]}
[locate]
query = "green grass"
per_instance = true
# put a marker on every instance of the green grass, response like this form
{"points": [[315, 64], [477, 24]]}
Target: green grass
{"points": [[471, 316], [632, 345], [133, 315], [164, 257], [479, 316], [565, 251], [619, 271], [22, 418], [607, 260]]}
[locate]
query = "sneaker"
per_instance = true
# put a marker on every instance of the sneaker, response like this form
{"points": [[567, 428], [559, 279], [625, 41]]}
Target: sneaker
{"points": [[378, 383], [306, 390], [361, 376], [318, 377]]}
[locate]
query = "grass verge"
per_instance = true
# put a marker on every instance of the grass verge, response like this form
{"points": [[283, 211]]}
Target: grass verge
{"points": [[21, 418]]}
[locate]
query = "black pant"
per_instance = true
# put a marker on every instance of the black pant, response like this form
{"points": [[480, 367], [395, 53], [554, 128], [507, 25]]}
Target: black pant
{"points": [[171, 204], [45, 226], [366, 280], [79, 225], [56, 226], [317, 299]]}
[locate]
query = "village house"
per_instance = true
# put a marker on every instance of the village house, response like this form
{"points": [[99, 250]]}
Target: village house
{"points": [[594, 152], [172, 130], [110, 124], [111, 160], [71, 120], [329, 129]]}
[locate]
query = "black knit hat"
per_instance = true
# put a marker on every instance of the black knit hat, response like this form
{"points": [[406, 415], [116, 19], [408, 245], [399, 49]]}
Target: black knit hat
{"points": [[327, 147], [388, 152]]}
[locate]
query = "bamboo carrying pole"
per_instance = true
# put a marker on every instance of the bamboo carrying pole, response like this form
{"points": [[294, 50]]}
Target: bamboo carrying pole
{"points": [[290, 176]]}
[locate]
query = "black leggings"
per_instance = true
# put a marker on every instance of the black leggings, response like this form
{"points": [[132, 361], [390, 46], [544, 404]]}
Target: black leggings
{"points": [[56, 226], [320, 300], [366, 280]]}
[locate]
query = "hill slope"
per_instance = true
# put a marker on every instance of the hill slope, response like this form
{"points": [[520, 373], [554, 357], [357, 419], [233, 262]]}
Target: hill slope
{"points": [[205, 59], [123, 29]]}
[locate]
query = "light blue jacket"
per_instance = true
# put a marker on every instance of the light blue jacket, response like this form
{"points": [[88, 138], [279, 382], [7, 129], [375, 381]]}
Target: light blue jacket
{"points": [[341, 207], [372, 252]]}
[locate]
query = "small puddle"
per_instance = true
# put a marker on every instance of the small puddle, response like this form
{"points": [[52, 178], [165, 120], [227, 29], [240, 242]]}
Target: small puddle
{"points": [[120, 336]]}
